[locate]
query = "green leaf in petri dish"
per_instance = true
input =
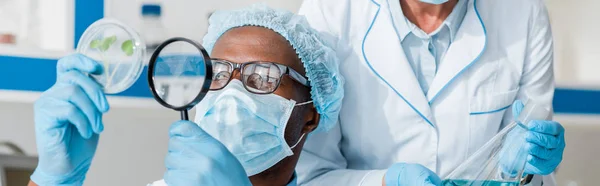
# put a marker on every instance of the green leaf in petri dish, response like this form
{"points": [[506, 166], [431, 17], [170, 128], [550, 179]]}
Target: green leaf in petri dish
{"points": [[95, 43], [106, 42], [127, 47]]}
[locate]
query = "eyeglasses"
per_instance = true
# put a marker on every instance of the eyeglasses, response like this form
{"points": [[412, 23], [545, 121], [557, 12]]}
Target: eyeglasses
{"points": [[258, 77]]}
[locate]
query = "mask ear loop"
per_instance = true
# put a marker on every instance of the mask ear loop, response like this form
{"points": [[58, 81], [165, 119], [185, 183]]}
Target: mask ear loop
{"points": [[294, 146], [305, 103], [300, 104]]}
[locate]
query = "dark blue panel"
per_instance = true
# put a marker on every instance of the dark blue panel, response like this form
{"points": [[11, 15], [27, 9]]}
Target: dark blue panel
{"points": [[576, 101], [140, 88], [33, 74], [86, 12], [29, 74]]}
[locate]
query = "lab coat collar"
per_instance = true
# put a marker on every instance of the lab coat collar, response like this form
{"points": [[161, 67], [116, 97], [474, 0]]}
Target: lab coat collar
{"points": [[402, 25], [469, 44], [456, 18], [386, 59]]}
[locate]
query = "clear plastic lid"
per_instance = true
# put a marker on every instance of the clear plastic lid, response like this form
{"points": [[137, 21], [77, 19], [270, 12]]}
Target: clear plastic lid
{"points": [[118, 48], [533, 111], [501, 161]]}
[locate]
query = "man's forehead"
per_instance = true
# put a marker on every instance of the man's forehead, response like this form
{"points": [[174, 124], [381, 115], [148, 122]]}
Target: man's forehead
{"points": [[251, 43]]}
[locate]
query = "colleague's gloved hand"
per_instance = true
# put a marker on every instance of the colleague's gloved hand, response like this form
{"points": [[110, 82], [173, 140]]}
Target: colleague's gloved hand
{"points": [[68, 120], [545, 144], [196, 158], [404, 174]]}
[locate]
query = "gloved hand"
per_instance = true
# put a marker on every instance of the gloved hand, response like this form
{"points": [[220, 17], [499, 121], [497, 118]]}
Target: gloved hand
{"points": [[196, 158], [68, 120], [404, 174], [545, 144]]}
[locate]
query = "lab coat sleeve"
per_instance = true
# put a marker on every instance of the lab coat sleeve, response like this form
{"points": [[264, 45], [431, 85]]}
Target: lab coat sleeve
{"points": [[537, 80], [322, 21], [322, 163]]}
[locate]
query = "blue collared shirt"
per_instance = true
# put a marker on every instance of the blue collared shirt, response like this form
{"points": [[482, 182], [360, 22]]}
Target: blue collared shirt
{"points": [[425, 51]]}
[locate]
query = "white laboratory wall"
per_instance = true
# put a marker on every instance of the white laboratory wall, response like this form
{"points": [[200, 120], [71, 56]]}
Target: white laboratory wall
{"points": [[575, 27], [580, 165], [184, 18], [38, 24], [55, 26]]}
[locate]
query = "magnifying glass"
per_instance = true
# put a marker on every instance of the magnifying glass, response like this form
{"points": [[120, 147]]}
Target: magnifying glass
{"points": [[180, 74]]}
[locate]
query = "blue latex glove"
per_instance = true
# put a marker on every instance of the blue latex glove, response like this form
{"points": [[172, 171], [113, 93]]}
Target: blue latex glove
{"points": [[68, 119], [196, 158], [545, 144], [404, 174]]}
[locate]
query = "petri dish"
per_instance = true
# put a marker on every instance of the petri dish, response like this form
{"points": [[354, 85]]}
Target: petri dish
{"points": [[118, 48]]}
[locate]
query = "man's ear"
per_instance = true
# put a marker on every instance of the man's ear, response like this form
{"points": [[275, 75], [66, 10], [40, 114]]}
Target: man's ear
{"points": [[312, 118]]}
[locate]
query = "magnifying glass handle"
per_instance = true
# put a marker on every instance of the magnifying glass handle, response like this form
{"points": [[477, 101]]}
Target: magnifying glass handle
{"points": [[184, 115]]}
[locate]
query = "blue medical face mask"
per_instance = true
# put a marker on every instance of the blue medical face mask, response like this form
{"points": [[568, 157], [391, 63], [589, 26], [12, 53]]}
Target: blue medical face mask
{"points": [[251, 126], [435, 2]]}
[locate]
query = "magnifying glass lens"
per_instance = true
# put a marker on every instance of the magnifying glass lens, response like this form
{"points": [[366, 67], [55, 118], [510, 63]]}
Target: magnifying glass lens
{"points": [[180, 70], [180, 74]]}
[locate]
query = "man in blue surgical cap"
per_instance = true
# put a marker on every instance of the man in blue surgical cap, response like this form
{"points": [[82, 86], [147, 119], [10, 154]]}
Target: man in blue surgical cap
{"points": [[274, 83]]}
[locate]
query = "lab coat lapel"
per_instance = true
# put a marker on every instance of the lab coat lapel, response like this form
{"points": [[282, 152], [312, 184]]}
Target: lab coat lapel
{"points": [[469, 43], [383, 53]]}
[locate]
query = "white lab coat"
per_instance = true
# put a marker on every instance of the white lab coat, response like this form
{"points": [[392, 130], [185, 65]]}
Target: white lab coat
{"points": [[502, 51]]}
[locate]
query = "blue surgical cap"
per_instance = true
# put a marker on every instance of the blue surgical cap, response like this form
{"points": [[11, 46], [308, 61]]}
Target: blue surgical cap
{"points": [[318, 57]]}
